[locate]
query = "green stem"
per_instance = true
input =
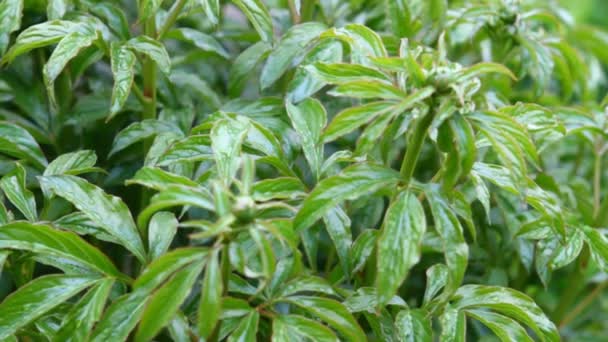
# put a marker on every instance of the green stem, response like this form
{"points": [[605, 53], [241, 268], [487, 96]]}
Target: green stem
{"points": [[149, 96], [583, 304], [415, 146], [307, 10], [597, 182], [149, 75], [295, 17], [174, 12], [574, 288]]}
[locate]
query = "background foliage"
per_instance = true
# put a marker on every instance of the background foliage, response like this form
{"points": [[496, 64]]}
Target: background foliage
{"points": [[303, 170]]}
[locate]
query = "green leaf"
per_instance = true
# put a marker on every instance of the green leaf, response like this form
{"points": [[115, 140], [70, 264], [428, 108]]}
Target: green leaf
{"points": [[210, 307], [113, 16], [337, 224], [191, 149], [38, 297], [303, 84], [453, 325], [308, 119], [450, 230], [399, 16], [227, 135], [35, 36], [266, 253], [159, 179], [342, 73], [365, 299], [148, 8], [399, 244], [14, 187], [291, 45], [10, 12], [368, 89], [277, 188], [362, 248], [352, 118], [211, 8], [109, 212], [483, 68], [165, 302], [79, 321], [199, 88], [5, 216], [120, 318], [508, 302], [598, 244], [508, 138], [161, 231], [436, 278], [153, 50], [122, 61], [244, 65], [413, 326], [139, 131], [286, 327], [305, 284], [174, 196], [199, 39], [72, 163], [364, 42], [247, 329], [17, 142], [67, 49], [258, 15], [160, 269], [504, 327], [351, 183], [332, 312], [47, 241]]}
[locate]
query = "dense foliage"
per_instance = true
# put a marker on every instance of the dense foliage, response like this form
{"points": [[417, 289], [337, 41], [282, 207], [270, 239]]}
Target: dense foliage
{"points": [[400, 170]]}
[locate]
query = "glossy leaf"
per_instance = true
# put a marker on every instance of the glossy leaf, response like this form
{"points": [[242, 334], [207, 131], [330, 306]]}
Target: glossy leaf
{"points": [[166, 301], [123, 71], [45, 240], [10, 12], [14, 187], [211, 297], [413, 325], [153, 49], [85, 313], [332, 312], [38, 297], [290, 46], [350, 184], [105, 210], [17, 142], [162, 229], [308, 119], [73, 163], [258, 15], [399, 244]]}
